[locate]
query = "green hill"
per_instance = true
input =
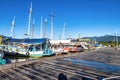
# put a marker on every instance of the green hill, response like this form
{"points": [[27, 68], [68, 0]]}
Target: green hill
{"points": [[106, 38]]}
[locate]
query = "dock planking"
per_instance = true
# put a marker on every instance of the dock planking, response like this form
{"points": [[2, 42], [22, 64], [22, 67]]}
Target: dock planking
{"points": [[48, 68]]}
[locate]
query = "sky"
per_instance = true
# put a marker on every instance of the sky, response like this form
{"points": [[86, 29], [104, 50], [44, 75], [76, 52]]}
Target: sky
{"points": [[85, 17]]}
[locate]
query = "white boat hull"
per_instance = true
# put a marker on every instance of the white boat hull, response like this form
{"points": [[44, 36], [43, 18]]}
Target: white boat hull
{"points": [[33, 54]]}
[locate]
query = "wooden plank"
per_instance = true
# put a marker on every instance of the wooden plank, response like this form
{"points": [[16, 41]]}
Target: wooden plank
{"points": [[10, 76], [43, 70], [28, 74], [61, 69], [54, 71], [73, 69], [20, 75], [44, 73], [4, 76]]}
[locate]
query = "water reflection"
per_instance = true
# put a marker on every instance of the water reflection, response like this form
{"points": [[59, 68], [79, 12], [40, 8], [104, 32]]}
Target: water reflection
{"points": [[96, 65]]}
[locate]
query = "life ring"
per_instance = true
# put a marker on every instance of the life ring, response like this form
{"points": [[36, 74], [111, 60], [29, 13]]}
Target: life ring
{"points": [[27, 53]]}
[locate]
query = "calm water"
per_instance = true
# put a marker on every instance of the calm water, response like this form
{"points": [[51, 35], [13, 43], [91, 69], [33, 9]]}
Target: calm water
{"points": [[96, 65]]}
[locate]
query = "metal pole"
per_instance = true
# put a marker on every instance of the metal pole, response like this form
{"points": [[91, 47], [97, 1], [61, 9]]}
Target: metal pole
{"points": [[29, 20]]}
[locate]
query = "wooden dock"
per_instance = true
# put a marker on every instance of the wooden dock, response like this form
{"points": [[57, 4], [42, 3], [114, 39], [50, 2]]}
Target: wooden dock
{"points": [[49, 68]]}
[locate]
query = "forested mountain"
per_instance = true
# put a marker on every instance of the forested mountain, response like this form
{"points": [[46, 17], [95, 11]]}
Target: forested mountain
{"points": [[106, 38]]}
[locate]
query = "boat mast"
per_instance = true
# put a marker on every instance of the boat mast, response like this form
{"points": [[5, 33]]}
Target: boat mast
{"points": [[12, 26], [63, 31], [30, 13], [41, 28], [69, 34], [78, 36], [51, 16], [45, 23], [33, 24]]}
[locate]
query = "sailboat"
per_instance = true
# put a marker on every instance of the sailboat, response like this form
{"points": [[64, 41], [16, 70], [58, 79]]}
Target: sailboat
{"points": [[28, 46]]}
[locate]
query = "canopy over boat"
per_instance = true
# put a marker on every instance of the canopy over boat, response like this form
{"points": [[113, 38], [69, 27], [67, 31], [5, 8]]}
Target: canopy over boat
{"points": [[58, 42], [28, 41]]}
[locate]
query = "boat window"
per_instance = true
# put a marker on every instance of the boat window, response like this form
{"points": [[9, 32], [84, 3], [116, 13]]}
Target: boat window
{"points": [[33, 48], [30, 48], [38, 48]]}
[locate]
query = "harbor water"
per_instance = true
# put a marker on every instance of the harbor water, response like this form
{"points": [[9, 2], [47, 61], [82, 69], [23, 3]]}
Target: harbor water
{"points": [[96, 65]]}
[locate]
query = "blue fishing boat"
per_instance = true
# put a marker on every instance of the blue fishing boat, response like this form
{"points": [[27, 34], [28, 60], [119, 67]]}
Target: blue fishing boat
{"points": [[30, 47]]}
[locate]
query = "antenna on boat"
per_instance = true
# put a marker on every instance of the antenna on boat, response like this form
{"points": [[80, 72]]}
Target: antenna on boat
{"points": [[33, 24], [30, 13], [12, 26], [51, 16], [41, 28], [63, 30], [45, 23]]}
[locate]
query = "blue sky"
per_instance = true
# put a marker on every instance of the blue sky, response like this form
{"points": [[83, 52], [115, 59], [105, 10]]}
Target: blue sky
{"points": [[87, 17]]}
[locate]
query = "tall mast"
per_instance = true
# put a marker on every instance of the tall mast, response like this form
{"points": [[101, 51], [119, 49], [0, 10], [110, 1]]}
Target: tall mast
{"points": [[69, 34], [30, 13], [79, 36], [51, 16], [60, 37], [45, 24], [33, 24], [116, 40], [41, 29], [63, 31], [12, 26]]}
